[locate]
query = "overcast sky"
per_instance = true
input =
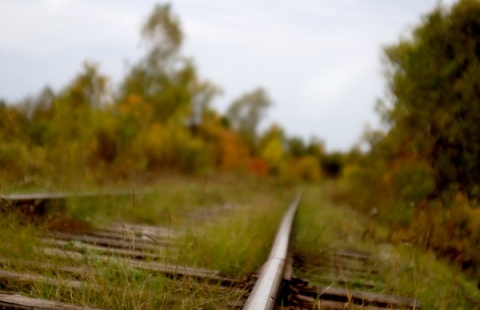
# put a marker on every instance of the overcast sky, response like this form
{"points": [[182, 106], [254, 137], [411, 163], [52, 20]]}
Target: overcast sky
{"points": [[318, 59]]}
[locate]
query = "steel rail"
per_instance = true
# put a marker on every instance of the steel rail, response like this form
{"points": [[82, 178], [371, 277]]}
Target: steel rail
{"points": [[63, 195], [267, 287]]}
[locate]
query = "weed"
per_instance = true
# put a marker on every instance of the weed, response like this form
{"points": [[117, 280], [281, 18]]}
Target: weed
{"points": [[225, 225], [404, 269]]}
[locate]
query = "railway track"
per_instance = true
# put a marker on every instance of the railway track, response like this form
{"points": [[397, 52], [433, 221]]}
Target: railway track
{"points": [[72, 259], [88, 261], [350, 278], [278, 287]]}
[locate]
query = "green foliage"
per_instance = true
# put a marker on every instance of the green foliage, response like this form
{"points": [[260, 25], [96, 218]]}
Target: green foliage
{"points": [[405, 269], [296, 147], [434, 80], [163, 32], [18, 161], [412, 181], [246, 112], [89, 88], [422, 175], [164, 79], [11, 121], [159, 120]]}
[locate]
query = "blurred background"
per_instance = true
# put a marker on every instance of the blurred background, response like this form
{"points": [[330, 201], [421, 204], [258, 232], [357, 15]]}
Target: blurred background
{"points": [[96, 92], [318, 60]]}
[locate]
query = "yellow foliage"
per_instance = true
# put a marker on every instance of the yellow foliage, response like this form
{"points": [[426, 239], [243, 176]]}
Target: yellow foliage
{"points": [[154, 139], [306, 168], [273, 154], [132, 102]]}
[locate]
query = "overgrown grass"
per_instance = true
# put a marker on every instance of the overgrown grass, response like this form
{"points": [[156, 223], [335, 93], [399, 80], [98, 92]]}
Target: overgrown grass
{"points": [[18, 238], [406, 270], [167, 201], [240, 243], [242, 217]]}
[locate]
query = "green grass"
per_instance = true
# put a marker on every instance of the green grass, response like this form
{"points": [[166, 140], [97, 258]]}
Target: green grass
{"points": [[406, 271], [236, 241], [239, 243], [165, 201]]}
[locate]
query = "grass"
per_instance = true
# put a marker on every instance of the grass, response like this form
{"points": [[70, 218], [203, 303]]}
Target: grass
{"points": [[237, 239], [244, 216], [165, 201], [240, 243], [406, 271], [243, 219]]}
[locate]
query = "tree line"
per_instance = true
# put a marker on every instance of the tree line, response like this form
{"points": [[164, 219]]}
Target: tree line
{"points": [[422, 170], [158, 119]]}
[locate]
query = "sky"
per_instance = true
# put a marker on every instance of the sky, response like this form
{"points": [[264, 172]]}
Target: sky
{"points": [[319, 60]]}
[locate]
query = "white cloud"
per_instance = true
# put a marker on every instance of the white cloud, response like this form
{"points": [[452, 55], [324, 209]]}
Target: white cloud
{"points": [[56, 7], [44, 27], [325, 88]]}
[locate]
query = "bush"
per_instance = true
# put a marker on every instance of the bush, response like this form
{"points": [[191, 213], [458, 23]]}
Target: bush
{"points": [[306, 168]]}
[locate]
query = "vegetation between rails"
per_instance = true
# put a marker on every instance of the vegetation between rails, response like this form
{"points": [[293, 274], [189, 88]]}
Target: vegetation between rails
{"points": [[242, 219], [405, 269]]}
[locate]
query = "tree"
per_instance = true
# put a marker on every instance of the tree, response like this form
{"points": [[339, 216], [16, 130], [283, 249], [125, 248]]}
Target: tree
{"points": [[246, 112], [434, 81], [39, 112], [152, 77], [271, 148], [296, 147], [88, 89], [165, 80], [11, 122]]}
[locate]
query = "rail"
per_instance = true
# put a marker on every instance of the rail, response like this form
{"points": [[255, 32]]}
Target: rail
{"points": [[61, 195], [267, 287], [276, 279]]}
